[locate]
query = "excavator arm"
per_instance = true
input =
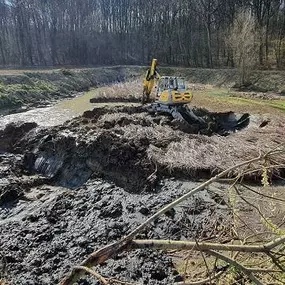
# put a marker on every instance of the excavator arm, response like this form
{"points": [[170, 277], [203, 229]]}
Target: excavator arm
{"points": [[149, 81]]}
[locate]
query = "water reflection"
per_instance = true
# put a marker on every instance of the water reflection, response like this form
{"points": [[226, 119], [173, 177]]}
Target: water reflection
{"points": [[57, 114]]}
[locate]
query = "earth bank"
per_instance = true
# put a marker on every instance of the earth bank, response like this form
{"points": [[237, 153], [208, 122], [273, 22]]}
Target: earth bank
{"points": [[28, 89]]}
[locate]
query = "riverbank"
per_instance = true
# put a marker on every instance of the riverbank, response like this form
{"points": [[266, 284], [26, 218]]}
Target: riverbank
{"points": [[69, 188], [33, 89], [22, 90]]}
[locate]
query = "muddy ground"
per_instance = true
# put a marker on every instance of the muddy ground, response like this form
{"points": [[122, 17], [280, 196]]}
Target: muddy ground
{"points": [[69, 189], [50, 229]]}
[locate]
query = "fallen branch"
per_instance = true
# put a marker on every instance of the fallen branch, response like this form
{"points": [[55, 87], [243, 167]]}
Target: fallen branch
{"points": [[237, 265], [203, 246], [110, 251]]}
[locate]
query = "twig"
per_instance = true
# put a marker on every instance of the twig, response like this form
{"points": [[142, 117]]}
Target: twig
{"points": [[204, 259], [201, 282], [252, 205], [92, 272], [275, 261], [277, 279], [261, 194], [237, 265], [264, 270]]}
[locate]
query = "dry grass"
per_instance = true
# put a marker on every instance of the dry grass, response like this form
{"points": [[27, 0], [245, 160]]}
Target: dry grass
{"points": [[195, 152], [224, 100], [129, 89], [173, 150]]}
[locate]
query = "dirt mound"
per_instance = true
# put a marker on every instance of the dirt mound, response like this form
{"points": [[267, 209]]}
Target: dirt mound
{"points": [[115, 165], [128, 146], [131, 99], [213, 123], [70, 160], [13, 133]]}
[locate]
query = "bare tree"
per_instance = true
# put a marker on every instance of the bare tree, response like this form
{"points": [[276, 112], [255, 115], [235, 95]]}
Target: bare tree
{"points": [[243, 42], [91, 32]]}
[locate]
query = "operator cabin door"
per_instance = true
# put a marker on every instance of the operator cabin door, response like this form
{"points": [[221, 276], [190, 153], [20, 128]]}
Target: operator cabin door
{"points": [[162, 86]]}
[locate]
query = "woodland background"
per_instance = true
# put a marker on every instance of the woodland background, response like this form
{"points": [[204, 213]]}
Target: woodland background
{"points": [[195, 33]]}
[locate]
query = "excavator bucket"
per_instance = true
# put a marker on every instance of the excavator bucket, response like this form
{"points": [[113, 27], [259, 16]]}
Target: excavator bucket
{"points": [[207, 122]]}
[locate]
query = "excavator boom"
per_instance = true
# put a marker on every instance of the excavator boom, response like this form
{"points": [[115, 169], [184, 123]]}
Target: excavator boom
{"points": [[149, 81], [172, 97]]}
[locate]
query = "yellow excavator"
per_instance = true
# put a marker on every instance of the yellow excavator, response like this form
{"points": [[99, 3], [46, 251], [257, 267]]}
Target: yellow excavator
{"points": [[171, 90], [171, 95]]}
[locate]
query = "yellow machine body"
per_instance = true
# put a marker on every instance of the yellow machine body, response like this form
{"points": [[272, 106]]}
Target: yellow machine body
{"points": [[172, 91], [172, 97]]}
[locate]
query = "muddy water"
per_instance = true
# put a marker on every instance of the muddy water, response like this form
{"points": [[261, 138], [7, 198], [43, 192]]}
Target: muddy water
{"points": [[59, 113]]}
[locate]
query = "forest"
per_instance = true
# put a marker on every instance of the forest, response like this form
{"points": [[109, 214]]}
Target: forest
{"points": [[194, 33]]}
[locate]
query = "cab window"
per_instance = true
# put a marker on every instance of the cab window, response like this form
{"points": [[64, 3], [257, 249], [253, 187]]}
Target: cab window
{"points": [[181, 83]]}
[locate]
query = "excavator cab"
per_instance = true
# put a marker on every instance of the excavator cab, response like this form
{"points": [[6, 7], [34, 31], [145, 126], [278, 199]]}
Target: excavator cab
{"points": [[172, 91]]}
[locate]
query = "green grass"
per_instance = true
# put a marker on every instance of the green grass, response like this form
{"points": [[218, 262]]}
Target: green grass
{"points": [[278, 104], [222, 100], [226, 95], [34, 87], [222, 92], [37, 86]]}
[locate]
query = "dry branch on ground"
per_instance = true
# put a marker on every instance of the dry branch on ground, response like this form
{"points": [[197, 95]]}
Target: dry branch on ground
{"points": [[128, 242]]}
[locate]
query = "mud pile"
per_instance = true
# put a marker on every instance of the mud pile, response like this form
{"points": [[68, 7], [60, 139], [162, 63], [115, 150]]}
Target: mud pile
{"points": [[45, 234], [118, 144], [69, 189]]}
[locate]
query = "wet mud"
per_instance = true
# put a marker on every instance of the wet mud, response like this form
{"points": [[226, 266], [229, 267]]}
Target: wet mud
{"points": [[50, 229], [112, 143], [70, 189], [128, 99]]}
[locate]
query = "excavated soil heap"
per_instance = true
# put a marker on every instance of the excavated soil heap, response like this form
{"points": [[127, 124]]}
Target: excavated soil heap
{"points": [[119, 144], [67, 190]]}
